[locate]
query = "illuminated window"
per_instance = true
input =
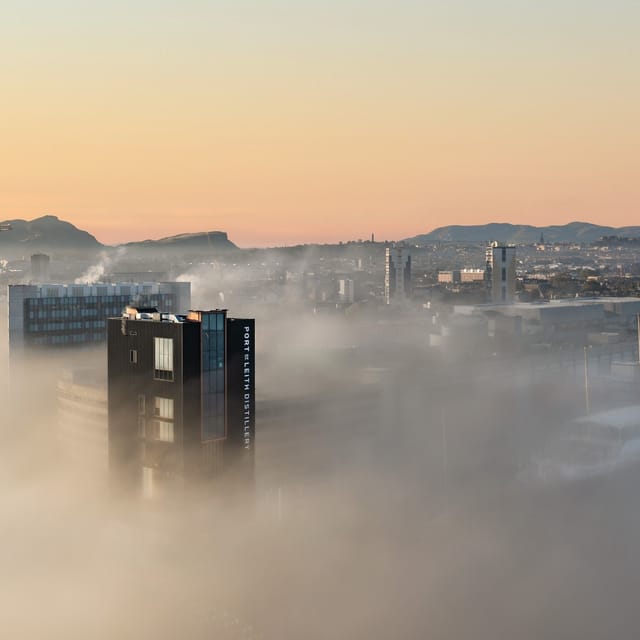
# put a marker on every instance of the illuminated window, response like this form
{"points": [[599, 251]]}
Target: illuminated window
{"points": [[163, 408], [163, 358], [159, 430]]}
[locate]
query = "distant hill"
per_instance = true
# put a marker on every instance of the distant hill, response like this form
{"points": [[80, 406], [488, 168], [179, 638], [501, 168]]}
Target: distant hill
{"points": [[48, 234], [583, 232], [204, 242]]}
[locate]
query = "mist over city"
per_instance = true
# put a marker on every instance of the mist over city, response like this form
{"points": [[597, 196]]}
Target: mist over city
{"points": [[425, 461], [319, 320]]}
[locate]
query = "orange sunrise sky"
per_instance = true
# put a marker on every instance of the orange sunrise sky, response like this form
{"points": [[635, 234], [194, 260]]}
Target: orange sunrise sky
{"points": [[289, 121]]}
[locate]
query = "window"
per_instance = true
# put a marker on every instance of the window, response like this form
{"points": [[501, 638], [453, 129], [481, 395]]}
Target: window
{"points": [[163, 408], [504, 274], [165, 431], [163, 358], [213, 346], [159, 430], [133, 356], [141, 405], [141, 426]]}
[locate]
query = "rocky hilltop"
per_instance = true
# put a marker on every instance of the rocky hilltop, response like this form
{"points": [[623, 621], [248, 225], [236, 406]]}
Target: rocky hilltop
{"points": [[190, 242], [48, 234]]}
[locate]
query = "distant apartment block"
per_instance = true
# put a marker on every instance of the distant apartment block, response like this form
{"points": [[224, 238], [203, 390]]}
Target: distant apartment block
{"points": [[500, 274], [471, 275], [449, 277], [397, 274], [346, 290], [60, 315], [461, 276]]}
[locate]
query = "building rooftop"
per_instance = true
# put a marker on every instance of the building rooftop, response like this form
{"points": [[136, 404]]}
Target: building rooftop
{"points": [[58, 290], [154, 315]]}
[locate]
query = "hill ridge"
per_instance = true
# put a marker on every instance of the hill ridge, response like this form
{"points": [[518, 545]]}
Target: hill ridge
{"points": [[576, 231]]}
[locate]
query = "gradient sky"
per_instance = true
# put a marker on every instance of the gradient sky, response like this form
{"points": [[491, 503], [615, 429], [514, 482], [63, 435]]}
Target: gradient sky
{"points": [[284, 121]]}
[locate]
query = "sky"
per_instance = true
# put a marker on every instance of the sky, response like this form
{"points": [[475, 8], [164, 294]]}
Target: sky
{"points": [[287, 121]]}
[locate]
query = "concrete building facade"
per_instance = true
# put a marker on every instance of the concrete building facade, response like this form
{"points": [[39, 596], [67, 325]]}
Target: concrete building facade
{"points": [[397, 274], [500, 273]]}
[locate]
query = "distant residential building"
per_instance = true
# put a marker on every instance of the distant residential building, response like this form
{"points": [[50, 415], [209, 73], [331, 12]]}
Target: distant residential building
{"points": [[40, 267], [346, 290], [472, 275], [181, 399], [461, 276], [449, 277], [397, 274], [500, 274]]}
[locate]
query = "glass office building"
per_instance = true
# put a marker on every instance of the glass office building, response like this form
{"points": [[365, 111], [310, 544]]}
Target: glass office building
{"points": [[60, 315]]}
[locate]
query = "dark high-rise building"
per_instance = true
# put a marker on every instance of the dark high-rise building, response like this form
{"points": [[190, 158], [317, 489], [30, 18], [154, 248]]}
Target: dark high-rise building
{"points": [[181, 399]]}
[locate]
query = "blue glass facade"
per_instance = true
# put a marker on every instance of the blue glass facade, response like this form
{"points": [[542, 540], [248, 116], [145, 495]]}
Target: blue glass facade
{"points": [[213, 368], [79, 319]]}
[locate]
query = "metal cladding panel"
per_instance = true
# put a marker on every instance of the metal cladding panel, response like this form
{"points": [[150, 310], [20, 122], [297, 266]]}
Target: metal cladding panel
{"points": [[240, 388]]}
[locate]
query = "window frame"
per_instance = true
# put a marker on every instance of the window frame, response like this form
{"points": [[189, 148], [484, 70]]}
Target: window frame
{"points": [[163, 358]]}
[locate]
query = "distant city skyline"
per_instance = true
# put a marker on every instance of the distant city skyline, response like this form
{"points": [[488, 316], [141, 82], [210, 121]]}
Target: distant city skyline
{"points": [[120, 236], [283, 122]]}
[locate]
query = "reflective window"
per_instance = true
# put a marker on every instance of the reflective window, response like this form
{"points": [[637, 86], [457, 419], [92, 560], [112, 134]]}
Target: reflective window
{"points": [[159, 430], [163, 408], [213, 356], [163, 358]]}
